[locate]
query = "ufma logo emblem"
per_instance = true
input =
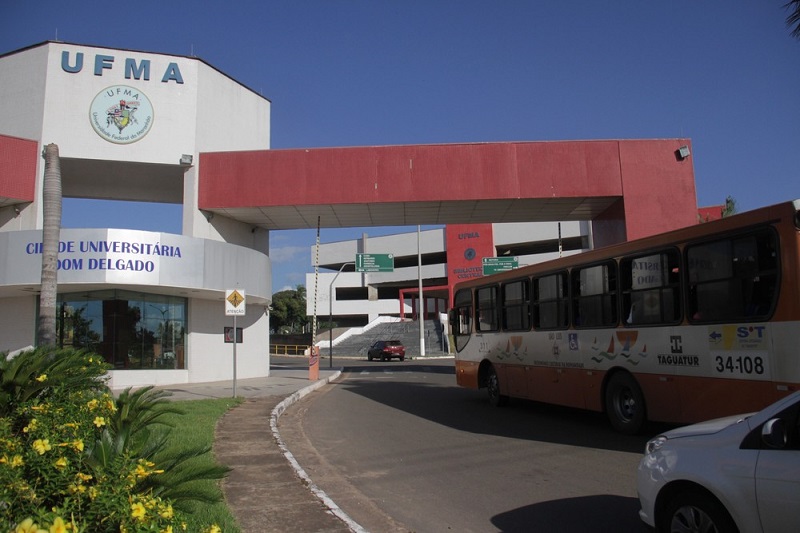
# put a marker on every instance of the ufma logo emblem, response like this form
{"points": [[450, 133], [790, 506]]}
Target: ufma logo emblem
{"points": [[121, 114]]}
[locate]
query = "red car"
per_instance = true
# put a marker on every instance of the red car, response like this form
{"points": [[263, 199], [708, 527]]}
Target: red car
{"points": [[386, 350]]}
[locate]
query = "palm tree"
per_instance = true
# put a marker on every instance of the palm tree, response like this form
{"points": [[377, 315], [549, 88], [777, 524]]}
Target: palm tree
{"points": [[793, 20], [51, 195]]}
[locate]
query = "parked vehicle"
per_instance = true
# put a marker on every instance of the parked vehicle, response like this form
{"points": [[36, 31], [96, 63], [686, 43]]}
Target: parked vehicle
{"points": [[386, 350], [739, 473]]}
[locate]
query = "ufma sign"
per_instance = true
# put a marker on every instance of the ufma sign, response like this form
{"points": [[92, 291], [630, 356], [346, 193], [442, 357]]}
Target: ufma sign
{"points": [[133, 70]]}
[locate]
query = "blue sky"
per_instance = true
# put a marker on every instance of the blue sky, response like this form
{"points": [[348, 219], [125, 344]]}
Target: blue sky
{"points": [[380, 72]]}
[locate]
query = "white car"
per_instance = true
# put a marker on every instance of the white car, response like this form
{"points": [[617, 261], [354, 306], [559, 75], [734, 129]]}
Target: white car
{"points": [[733, 474]]}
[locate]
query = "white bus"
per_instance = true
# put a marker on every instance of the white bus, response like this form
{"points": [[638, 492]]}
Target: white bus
{"points": [[680, 327]]}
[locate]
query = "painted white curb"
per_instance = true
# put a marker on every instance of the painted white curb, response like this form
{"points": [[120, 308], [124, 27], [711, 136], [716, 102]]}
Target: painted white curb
{"points": [[319, 493]]}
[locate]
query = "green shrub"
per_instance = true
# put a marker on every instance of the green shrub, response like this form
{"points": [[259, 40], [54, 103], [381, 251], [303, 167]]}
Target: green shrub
{"points": [[73, 458]]}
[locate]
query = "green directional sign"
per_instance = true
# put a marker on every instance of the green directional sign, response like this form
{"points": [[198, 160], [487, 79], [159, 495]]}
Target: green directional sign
{"points": [[374, 262], [493, 265]]}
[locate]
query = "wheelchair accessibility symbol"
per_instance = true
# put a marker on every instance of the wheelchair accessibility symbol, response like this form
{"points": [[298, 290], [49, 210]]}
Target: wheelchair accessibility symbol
{"points": [[573, 342]]}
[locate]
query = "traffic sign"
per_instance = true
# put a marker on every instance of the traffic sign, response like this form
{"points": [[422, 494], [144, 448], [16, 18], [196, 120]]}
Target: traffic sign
{"points": [[374, 263], [493, 265], [234, 302]]}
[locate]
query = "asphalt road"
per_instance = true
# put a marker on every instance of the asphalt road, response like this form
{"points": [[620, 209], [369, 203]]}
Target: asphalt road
{"points": [[399, 447]]}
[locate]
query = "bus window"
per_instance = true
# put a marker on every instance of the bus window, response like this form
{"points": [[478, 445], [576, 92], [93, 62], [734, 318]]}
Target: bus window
{"points": [[651, 288], [550, 301], [461, 318], [516, 306], [487, 309], [733, 279], [594, 296]]}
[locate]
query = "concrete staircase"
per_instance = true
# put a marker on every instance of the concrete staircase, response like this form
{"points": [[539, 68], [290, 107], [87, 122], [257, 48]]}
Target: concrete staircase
{"points": [[406, 332]]}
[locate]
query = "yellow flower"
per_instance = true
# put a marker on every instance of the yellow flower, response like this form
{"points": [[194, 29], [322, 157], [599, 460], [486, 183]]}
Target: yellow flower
{"points": [[58, 526], [168, 530], [141, 472], [61, 463], [138, 511], [76, 488], [214, 529], [78, 445], [42, 446], [92, 404], [31, 426], [166, 512], [83, 477], [38, 408], [99, 421], [17, 461], [110, 405], [93, 493], [26, 526], [42, 378]]}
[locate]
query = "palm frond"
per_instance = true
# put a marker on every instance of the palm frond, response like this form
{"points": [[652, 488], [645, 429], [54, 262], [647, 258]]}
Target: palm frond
{"points": [[793, 19]]}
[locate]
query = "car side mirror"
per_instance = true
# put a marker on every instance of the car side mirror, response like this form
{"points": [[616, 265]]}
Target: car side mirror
{"points": [[774, 433]]}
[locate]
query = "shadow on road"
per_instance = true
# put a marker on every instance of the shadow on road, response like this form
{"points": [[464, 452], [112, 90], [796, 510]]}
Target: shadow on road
{"points": [[588, 514], [469, 410]]}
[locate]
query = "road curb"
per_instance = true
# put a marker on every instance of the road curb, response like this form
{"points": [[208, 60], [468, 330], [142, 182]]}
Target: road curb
{"points": [[319, 493]]}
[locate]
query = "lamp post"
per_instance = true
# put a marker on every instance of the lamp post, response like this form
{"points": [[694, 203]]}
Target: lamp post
{"points": [[330, 315], [422, 308]]}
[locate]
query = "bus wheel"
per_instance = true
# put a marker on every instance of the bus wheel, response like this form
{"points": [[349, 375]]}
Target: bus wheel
{"points": [[493, 387], [625, 403]]}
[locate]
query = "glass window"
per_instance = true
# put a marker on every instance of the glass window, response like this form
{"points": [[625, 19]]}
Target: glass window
{"points": [[461, 318], [487, 309], [550, 301], [733, 279], [594, 295], [516, 305], [651, 288], [130, 330]]}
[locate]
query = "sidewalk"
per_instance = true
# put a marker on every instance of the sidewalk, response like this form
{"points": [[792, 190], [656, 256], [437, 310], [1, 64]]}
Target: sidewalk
{"points": [[267, 490]]}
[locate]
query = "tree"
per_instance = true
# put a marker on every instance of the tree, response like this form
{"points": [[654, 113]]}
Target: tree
{"points": [[730, 207], [51, 195], [793, 20], [288, 313]]}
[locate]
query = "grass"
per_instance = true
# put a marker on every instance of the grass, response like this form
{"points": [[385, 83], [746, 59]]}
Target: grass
{"points": [[195, 428]]}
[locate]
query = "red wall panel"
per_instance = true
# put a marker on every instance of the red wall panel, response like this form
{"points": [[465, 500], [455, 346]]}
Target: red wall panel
{"points": [[18, 159], [656, 187], [467, 245]]}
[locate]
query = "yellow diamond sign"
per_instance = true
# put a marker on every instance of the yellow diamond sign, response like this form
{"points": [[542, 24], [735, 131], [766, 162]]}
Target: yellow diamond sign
{"points": [[234, 302]]}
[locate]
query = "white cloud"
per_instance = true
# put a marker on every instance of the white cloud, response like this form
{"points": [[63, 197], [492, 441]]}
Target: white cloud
{"points": [[285, 254]]}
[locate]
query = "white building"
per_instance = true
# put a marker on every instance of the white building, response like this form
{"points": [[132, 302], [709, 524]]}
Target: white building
{"points": [[358, 298], [130, 126]]}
